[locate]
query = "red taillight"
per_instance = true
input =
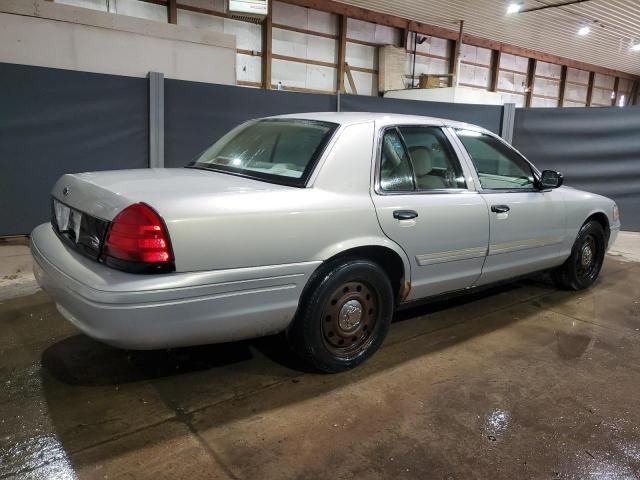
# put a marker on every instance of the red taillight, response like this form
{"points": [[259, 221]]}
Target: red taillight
{"points": [[138, 234]]}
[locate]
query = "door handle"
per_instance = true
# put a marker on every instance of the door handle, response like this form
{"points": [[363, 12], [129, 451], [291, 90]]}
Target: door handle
{"points": [[500, 208], [405, 214]]}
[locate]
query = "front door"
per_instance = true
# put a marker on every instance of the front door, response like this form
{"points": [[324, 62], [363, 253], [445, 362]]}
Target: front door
{"points": [[424, 204], [527, 225]]}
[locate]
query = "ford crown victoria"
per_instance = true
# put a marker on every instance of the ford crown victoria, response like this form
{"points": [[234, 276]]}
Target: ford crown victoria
{"points": [[317, 225]]}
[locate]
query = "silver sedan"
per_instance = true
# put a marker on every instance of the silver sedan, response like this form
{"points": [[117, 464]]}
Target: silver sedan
{"points": [[318, 225]]}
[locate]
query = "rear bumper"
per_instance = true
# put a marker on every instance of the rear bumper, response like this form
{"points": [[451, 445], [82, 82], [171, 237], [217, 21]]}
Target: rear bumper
{"points": [[166, 310]]}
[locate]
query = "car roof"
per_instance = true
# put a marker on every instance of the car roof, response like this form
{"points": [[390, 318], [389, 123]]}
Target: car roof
{"points": [[350, 118]]}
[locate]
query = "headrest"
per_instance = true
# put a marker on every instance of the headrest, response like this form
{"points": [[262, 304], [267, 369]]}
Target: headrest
{"points": [[422, 160]]}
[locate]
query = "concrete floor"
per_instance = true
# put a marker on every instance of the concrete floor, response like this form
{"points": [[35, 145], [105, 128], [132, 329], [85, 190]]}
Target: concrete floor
{"points": [[522, 381]]}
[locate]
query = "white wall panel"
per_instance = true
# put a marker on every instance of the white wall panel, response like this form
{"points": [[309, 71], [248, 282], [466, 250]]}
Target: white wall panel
{"points": [[136, 8], [322, 49], [601, 96], [200, 20], [99, 5], [371, 32], [359, 30], [248, 35], [387, 35], [216, 5], [291, 44], [546, 87], [322, 22], [249, 68], [321, 78], [302, 75], [305, 18], [579, 76], [366, 83], [472, 54], [548, 69], [363, 56], [432, 45], [514, 62], [93, 41], [291, 15], [511, 81], [291, 74], [475, 75], [604, 81], [308, 47]]}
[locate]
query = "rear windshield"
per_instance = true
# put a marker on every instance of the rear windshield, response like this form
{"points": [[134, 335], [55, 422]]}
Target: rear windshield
{"points": [[278, 150]]}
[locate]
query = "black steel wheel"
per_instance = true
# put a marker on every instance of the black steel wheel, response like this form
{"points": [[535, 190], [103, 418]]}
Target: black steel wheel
{"points": [[349, 318], [583, 266], [344, 315]]}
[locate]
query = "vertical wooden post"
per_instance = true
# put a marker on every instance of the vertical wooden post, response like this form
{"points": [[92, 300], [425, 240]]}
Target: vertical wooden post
{"points": [[267, 41], [563, 85], [454, 62], [342, 50], [592, 77], [633, 95], [531, 77], [495, 69], [172, 11], [616, 86]]}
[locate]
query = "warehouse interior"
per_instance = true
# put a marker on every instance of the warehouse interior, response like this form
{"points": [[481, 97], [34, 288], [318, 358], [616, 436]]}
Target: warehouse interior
{"points": [[519, 380]]}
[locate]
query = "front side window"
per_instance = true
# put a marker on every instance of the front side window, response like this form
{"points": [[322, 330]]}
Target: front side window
{"points": [[282, 150], [498, 166]]}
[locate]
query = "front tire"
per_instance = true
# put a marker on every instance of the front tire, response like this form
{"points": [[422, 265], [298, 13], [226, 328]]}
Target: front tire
{"points": [[583, 266], [344, 315]]}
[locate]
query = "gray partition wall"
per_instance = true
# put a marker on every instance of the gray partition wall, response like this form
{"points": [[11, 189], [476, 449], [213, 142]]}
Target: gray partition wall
{"points": [[597, 149], [58, 121]]}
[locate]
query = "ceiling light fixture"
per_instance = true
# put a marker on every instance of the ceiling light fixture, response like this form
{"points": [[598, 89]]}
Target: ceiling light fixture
{"points": [[584, 30], [514, 7], [635, 47]]}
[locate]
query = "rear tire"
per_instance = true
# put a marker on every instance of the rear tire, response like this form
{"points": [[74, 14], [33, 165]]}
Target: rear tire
{"points": [[344, 315], [583, 266]]}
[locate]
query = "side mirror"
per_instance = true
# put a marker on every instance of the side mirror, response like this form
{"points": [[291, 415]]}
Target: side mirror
{"points": [[550, 179]]}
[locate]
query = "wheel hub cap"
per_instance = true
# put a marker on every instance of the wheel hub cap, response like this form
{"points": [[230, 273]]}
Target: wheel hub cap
{"points": [[350, 315], [587, 255]]}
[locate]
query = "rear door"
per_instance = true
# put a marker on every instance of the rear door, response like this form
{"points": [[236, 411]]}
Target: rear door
{"points": [[527, 224], [426, 202]]}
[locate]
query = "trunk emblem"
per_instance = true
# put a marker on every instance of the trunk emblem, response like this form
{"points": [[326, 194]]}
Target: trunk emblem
{"points": [[66, 191]]}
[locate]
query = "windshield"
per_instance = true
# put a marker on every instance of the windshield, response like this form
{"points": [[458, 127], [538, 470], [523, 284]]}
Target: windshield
{"points": [[278, 150]]}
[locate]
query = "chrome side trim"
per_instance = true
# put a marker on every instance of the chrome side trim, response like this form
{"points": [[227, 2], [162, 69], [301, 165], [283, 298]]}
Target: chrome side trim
{"points": [[507, 247], [451, 256]]}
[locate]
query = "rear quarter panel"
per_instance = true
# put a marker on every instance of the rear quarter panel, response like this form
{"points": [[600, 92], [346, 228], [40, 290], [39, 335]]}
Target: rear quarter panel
{"points": [[286, 225]]}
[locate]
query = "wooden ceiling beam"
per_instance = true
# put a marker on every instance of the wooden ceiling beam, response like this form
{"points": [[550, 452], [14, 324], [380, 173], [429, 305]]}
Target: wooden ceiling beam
{"points": [[359, 13]]}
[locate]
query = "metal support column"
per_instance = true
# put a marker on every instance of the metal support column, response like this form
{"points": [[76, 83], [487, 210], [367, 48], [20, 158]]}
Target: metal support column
{"points": [[508, 120], [156, 120]]}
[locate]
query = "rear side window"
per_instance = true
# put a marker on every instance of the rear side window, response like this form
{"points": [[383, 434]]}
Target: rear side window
{"points": [[418, 158], [498, 166], [282, 150]]}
